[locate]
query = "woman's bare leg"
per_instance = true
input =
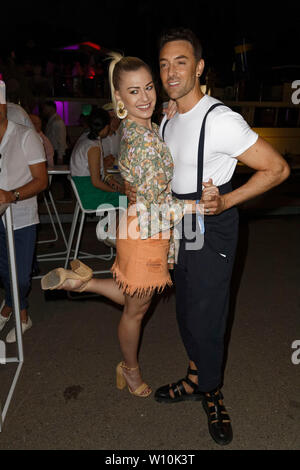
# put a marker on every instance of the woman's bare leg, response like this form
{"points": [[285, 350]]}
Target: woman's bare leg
{"points": [[129, 329], [106, 287], [129, 335]]}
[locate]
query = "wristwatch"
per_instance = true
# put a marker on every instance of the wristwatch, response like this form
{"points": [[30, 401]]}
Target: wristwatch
{"points": [[17, 196]]}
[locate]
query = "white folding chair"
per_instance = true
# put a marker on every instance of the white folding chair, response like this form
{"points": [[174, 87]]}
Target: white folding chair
{"points": [[49, 257], [54, 218], [79, 209]]}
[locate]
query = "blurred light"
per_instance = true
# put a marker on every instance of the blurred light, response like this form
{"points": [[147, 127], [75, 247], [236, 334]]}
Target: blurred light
{"points": [[75, 47], [86, 109], [91, 44], [91, 74], [60, 109]]}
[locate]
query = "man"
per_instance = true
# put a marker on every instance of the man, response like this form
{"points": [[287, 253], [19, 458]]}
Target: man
{"points": [[18, 115], [23, 175], [55, 130], [48, 147], [202, 277]]}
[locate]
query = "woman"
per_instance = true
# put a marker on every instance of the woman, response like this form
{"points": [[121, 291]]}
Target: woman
{"points": [[141, 264], [87, 165]]}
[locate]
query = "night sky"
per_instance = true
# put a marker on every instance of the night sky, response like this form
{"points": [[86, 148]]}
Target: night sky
{"points": [[133, 27]]}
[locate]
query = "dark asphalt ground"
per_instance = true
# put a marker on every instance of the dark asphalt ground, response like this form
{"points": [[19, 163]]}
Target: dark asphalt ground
{"points": [[66, 396]]}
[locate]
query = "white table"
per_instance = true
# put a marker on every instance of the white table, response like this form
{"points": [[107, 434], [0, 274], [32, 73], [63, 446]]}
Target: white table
{"points": [[6, 209], [59, 170]]}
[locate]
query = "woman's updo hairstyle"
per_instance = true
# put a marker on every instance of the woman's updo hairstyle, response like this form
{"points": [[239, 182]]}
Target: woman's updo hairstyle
{"points": [[117, 66], [97, 120]]}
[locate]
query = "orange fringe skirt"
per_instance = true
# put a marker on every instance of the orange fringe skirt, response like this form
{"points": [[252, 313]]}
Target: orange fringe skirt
{"points": [[141, 266]]}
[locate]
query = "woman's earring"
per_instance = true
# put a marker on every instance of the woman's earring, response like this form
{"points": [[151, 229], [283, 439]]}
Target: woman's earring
{"points": [[121, 110]]}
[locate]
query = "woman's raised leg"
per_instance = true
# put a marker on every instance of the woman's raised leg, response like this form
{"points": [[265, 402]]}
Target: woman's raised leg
{"points": [[106, 287]]}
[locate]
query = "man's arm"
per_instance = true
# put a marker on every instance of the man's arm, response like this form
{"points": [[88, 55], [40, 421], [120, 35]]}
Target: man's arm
{"points": [[38, 184], [271, 170]]}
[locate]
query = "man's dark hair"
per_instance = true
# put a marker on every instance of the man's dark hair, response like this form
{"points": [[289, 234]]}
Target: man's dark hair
{"points": [[181, 34], [51, 104], [97, 120]]}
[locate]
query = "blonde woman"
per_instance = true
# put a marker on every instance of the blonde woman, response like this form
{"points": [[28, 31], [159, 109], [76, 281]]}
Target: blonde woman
{"points": [[141, 264]]}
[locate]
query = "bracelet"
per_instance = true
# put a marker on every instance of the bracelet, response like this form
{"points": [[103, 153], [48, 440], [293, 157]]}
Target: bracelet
{"points": [[107, 178]]}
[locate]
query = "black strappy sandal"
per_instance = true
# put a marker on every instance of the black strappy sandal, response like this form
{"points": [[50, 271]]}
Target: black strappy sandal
{"points": [[219, 424], [162, 394]]}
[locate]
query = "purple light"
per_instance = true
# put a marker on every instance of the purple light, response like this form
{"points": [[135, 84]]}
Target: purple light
{"points": [[66, 113], [75, 47], [60, 109]]}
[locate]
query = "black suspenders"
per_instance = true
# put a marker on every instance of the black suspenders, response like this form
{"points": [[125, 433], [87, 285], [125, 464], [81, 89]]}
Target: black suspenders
{"points": [[163, 129], [201, 151], [197, 195]]}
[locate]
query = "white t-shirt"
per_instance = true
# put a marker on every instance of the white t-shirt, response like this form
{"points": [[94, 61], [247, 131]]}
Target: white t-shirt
{"points": [[227, 135], [79, 164], [20, 147], [57, 134], [18, 115]]}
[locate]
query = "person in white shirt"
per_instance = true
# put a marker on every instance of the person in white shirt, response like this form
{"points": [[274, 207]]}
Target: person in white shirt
{"points": [[55, 130], [87, 161], [17, 114], [23, 175], [88, 169], [206, 140], [111, 143], [48, 147]]}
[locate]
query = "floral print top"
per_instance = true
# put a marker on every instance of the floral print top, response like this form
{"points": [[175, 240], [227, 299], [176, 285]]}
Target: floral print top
{"points": [[146, 163]]}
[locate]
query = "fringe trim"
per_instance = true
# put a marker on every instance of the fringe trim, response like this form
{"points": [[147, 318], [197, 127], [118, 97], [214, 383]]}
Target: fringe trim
{"points": [[141, 291]]}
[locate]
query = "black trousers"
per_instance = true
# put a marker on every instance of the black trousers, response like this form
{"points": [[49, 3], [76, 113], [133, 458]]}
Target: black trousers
{"points": [[202, 282]]}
